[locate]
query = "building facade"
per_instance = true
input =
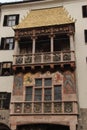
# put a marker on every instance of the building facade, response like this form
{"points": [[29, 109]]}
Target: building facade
{"points": [[42, 69]]}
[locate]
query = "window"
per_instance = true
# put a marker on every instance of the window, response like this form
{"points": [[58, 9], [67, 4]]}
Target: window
{"points": [[38, 82], [43, 96], [57, 92], [7, 43], [48, 82], [11, 20], [48, 94], [85, 34], [84, 11], [29, 93], [6, 68], [43, 93], [4, 100], [38, 94]]}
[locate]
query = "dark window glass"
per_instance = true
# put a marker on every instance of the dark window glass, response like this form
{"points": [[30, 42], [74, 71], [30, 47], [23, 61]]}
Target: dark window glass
{"points": [[38, 82], [84, 11], [57, 92], [48, 82], [28, 96], [38, 94], [47, 94]]}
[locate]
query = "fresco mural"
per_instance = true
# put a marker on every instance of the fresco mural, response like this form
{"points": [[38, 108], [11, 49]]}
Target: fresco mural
{"points": [[18, 84], [69, 83], [67, 80]]}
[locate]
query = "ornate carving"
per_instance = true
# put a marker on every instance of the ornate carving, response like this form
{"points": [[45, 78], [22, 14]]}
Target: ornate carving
{"points": [[37, 107], [19, 60], [57, 107], [18, 108], [27, 108], [28, 59], [47, 107], [47, 58], [57, 57], [44, 30], [67, 56], [37, 58], [68, 107]]}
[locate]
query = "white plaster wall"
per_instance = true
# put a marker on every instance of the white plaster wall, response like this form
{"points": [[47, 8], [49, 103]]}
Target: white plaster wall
{"points": [[75, 9], [6, 83]]}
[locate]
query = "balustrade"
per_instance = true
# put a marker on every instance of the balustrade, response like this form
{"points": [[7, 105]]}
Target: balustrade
{"points": [[45, 107], [38, 58]]}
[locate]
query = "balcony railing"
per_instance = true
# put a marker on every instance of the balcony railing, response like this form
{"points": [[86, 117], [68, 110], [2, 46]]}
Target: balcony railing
{"points": [[44, 107], [44, 58]]}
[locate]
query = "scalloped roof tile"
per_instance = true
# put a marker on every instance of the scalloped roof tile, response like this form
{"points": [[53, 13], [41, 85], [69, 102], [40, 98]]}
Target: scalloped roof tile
{"points": [[45, 17]]}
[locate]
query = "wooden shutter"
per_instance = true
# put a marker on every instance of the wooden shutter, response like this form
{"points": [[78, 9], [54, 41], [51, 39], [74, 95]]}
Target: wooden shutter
{"points": [[13, 43], [5, 20], [84, 11], [2, 43], [85, 33], [17, 19]]}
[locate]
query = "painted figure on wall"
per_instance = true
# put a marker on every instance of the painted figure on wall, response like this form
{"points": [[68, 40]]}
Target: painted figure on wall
{"points": [[69, 82], [18, 84]]}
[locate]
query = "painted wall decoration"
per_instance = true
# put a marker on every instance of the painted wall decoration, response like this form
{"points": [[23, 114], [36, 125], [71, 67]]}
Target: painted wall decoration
{"points": [[69, 83], [18, 84], [28, 79], [58, 78]]}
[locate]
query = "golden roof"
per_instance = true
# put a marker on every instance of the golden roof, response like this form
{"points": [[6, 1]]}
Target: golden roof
{"points": [[45, 17]]}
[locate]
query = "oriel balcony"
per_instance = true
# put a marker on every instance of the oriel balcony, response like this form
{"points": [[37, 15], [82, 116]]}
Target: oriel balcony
{"points": [[45, 50]]}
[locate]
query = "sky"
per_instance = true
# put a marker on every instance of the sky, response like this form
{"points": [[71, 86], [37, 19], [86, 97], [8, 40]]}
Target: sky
{"points": [[2, 1]]}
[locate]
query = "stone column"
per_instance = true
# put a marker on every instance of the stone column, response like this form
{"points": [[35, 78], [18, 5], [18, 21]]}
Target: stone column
{"points": [[16, 50], [16, 47], [33, 47], [52, 46], [72, 48]]}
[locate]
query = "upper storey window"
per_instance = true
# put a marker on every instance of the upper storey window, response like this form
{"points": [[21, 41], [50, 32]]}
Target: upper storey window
{"points": [[84, 11], [11, 20], [4, 100], [7, 43]]}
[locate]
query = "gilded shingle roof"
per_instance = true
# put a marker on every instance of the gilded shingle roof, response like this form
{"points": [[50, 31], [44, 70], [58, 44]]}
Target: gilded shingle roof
{"points": [[45, 17]]}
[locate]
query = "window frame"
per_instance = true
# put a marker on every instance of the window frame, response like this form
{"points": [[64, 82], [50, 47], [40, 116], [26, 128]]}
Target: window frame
{"points": [[5, 100], [7, 43], [43, 93], [6, 68], [27, 92], [7, 20]]}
